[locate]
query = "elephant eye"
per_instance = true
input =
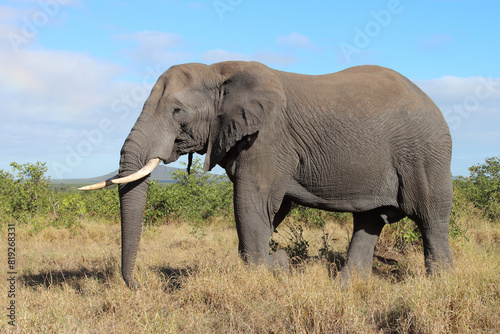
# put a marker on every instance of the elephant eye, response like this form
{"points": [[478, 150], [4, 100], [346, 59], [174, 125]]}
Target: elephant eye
{"points": [[177, 110]]}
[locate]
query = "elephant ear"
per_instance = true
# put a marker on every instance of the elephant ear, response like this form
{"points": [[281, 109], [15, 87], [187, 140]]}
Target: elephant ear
{"points": [[249, 95]]}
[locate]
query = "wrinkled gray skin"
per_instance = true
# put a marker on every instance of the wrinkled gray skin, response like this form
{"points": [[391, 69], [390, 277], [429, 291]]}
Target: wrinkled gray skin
{"points": [[364, 140]]}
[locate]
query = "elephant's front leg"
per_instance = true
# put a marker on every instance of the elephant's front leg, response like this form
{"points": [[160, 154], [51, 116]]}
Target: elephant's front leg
{"points": [[255, 214]]}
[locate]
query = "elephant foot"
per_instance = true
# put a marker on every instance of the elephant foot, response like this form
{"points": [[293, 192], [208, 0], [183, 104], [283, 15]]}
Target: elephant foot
{"points": [[437, 250], [436, 267], [348, 273], [275, 261], [280, 260], [132, 283]]}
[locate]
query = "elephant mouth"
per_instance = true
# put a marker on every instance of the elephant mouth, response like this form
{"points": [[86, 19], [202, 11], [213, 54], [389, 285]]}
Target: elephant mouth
{"points": [[174, 155], [182, 147]]}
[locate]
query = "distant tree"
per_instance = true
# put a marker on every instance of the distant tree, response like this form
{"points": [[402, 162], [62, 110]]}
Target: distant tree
{"points": [[32, 186], [483, 187]]}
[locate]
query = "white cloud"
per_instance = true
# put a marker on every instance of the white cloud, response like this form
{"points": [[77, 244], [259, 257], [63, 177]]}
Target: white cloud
{"points": [[49, 98], [198, 5], [21, 25], [265, 56], [153, 39], [471, 108], [10, 30], [435, 42], [155, 47], [215, 56], [9, 14], [270, 57], [296, 40], [451, 90], [57, 85]]}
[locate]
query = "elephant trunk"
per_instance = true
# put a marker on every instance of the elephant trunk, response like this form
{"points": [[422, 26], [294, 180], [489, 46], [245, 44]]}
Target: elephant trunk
{"points": [[132, 204], [136, 152]]}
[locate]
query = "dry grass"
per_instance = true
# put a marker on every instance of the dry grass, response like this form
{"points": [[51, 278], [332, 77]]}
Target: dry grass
{"points": [[194, 282]]}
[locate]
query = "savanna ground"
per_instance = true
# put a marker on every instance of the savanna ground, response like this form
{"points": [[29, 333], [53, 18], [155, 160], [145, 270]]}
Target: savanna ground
{"points": [[193, 282], [69, 280]]}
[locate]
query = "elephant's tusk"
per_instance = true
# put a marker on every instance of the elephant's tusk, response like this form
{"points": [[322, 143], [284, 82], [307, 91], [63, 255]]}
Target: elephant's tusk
{"points": [[103, 184], [144, 171]]}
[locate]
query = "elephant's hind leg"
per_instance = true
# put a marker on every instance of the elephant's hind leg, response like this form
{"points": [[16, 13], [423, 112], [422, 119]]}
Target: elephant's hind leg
{"points": [[431, 212], [434, 228], [367, 228]]}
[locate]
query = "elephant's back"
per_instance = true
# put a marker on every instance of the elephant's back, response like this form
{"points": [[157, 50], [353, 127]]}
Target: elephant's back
{"points": [[373, 98], [363, 90]]}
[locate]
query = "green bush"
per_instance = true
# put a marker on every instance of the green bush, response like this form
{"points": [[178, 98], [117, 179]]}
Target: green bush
{"points": [[400, 235], [195, 197], [295, 245], [317, 218], [69, 211], [103, 203], [7, 193], [25, 196], [482, 188]]}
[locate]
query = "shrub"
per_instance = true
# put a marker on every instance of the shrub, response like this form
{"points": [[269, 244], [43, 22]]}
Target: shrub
{"points": [[317, 218], [196, 197], [7, 193], [26, 196], [400, 235], [295, 245], [483, 187], [103, 203], [69, 211]]}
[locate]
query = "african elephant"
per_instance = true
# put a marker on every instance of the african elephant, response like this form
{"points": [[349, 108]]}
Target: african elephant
{"points": [[364, 140]]}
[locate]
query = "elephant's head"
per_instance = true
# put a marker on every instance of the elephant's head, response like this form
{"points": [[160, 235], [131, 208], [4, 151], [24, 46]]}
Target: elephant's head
{"points": [[192, 108]]}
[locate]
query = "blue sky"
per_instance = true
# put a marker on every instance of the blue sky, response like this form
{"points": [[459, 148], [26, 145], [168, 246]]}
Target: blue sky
{"points": [[74, 74]]}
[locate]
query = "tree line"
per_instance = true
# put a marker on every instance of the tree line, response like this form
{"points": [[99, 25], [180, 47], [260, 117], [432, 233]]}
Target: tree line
{"points": [[26, 197]]}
